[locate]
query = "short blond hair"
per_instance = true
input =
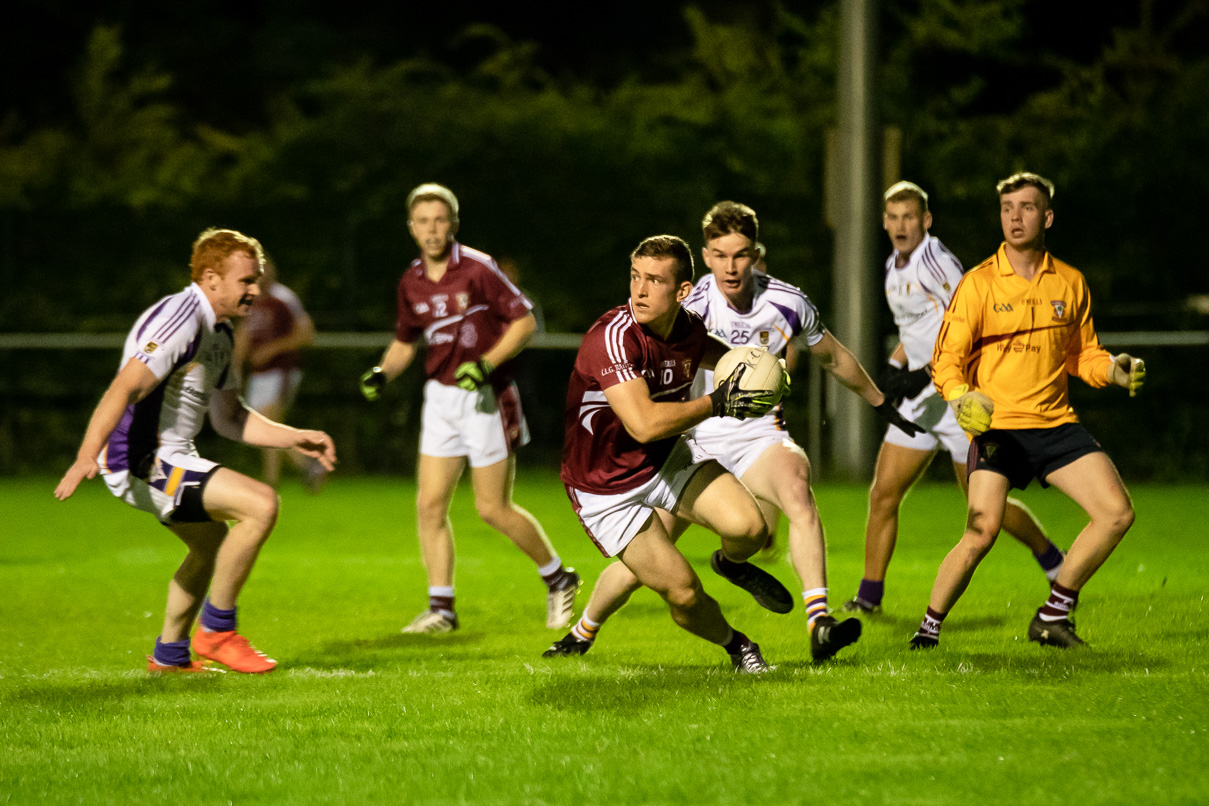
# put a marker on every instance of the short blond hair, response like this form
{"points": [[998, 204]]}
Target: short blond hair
{"points": [[431, 191], [215, 245], [903, 191]]}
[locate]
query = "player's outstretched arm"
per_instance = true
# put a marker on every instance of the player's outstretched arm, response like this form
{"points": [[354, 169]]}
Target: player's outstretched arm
{"points": [[843, 366], [131, 385], [234, 420], [398, 357]]}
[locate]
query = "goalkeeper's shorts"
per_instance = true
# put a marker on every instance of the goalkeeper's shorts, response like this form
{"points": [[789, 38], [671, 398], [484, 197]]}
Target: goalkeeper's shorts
{"points": [[1022, 454]]}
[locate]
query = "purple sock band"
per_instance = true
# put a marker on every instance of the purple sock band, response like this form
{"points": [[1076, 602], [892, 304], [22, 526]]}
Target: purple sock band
{"points": [[173, 653], [215, 620], [1050, 558], [871, 591]]}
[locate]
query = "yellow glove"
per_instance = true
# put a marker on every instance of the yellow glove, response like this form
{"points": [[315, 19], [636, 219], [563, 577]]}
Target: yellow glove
{"points": [[1127, 371], [973, 409]]}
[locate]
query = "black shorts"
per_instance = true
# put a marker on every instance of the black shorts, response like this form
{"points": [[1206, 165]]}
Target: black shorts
{"points": [[1022, 454]]}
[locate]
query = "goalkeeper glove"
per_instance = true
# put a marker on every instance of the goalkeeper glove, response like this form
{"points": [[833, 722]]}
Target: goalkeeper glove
{"points": [[473, 374], [372, 383], [973, 409], [730, 401], [890, 414], [1127, 371]]}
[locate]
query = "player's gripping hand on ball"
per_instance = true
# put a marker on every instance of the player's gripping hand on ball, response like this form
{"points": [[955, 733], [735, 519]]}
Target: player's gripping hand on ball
{"points": [[731, 400], [474, 374], [973, 409], [372, 383], [1128, 372]]}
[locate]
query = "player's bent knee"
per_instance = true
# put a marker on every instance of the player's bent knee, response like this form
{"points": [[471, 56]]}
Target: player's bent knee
{"points": [[683, 597]]}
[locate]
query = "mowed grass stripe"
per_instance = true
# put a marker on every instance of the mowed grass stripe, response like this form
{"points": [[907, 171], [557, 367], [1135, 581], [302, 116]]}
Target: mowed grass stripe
{"points": [[358, 711]]}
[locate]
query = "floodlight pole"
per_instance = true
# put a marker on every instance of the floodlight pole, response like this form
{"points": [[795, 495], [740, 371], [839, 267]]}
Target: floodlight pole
{"points": [[853, 421]]}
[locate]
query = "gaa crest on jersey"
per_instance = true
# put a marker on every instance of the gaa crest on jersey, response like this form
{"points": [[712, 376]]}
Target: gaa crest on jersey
{"points": [[1059, 309], [420, 308]]}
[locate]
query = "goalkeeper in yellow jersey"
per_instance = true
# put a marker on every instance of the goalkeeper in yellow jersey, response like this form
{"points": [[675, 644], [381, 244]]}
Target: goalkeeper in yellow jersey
{"points": [[1017, 327]]}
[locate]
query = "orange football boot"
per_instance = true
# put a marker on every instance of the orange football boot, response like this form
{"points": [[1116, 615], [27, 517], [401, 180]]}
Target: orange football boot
{"points": [[233, 651]]}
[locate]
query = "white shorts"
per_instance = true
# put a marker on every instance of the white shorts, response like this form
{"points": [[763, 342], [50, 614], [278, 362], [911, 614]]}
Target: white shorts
{"points": [[612, 521], [481, 425], [929, 411], [172, 490], [738, 449], [272, 386]]}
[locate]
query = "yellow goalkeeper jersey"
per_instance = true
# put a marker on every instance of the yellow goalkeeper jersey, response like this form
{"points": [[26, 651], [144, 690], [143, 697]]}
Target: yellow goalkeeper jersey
{"points": [[1017, 341]]}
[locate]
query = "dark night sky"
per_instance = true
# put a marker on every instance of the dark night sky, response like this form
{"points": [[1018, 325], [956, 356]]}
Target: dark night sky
{"points": [[228, 58]]}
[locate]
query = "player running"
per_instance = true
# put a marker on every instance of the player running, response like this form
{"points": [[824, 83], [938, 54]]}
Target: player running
{"points": [[176, 366], [473, 322], [629, 472], [743, 308], [1018, 324], [920, 277]]}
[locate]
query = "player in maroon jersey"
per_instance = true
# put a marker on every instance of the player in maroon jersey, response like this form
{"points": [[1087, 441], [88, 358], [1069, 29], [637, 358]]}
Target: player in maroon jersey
{"points": [[473, 322], [629, 471], [267, 352]]}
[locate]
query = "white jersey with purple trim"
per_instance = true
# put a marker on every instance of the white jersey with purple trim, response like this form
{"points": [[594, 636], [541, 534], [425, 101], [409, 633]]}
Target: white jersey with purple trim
{"points": [[918, 294], [190, 354], [779, 313]]}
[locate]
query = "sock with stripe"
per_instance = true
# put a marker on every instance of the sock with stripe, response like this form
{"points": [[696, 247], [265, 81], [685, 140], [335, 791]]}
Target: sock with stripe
{"points": [[215, 620], [440, 600], [1059, 604], [816, 605], [554, 575], [930, 626], [585, 629]]}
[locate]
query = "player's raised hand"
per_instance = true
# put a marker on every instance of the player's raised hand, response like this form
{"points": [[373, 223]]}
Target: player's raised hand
{"points": [[973, 409], [317, 445], [473, 374], [1128, 372], [890, 414], [372, 383], [80, 469]]}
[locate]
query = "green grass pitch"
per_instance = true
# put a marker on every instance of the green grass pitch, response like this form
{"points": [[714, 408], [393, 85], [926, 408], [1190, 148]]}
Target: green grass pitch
{"points": [[358, 712]]}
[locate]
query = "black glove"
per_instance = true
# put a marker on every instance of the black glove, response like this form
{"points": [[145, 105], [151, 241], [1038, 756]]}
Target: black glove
{"points": [[730, 401], [898, 382], [372, 383], [890, 414]]}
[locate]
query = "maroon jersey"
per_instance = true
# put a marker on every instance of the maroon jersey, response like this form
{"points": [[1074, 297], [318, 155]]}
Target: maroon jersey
{"points": [[462, 315], [273, 316], [599, 455]]}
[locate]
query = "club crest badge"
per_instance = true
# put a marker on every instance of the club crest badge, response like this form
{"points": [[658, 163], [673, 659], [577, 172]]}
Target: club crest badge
{"points": [[764, 337], [1059, 309], [150, 347], [463, 300]]}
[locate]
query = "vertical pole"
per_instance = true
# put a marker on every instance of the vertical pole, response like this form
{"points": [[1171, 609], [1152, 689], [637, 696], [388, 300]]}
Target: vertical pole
{"points": [[856, 228]]}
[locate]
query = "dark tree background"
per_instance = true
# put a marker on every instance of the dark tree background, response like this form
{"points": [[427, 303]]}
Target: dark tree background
{"points": [[128, 127]]}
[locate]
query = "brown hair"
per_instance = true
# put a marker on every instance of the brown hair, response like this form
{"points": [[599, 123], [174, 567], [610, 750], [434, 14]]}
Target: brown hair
{"points": [[1027, 179], [726, 217], [665, 246], [215, 245]]}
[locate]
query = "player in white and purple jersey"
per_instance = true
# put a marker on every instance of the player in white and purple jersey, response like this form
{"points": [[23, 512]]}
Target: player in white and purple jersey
{"points": [[630, 474], [176, 368], [472, 321], [921, 276]]}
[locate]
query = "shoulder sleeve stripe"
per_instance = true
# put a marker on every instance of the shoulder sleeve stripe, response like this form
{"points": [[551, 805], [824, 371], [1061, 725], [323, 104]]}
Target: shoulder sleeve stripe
{"points": [[177, 319], [615, 347]]}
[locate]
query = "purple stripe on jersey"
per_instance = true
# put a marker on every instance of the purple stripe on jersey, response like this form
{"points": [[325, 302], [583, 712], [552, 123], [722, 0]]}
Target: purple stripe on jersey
{"points": [[174, 324], [791, 316], [148, 320], [780, 285], [930, 263]]}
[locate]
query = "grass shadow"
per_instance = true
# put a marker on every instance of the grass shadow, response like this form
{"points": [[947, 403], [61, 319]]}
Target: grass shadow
{"points": [[89, 694]]}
